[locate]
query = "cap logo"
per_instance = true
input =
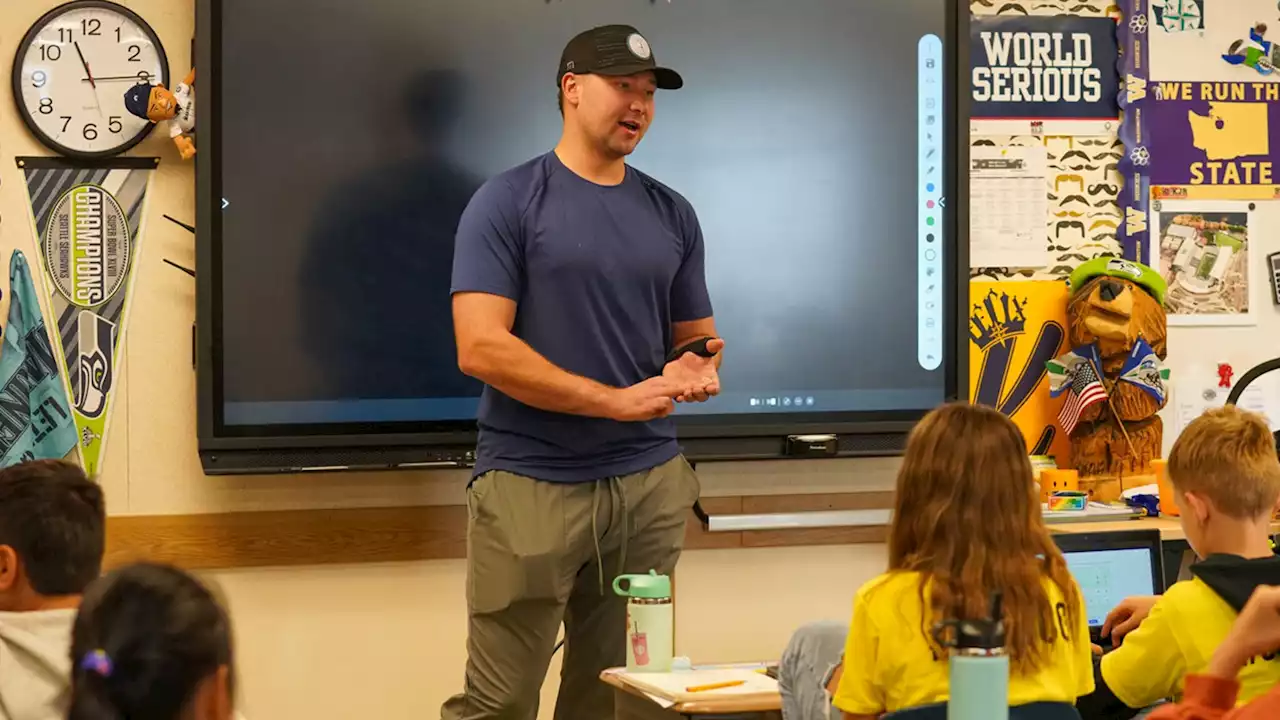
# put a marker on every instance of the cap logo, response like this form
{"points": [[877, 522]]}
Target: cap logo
{"points": [[638, 46], [568, 65], [1125, 267]]}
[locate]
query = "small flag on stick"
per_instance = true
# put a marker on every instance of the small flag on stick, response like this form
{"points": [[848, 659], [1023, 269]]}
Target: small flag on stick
{"points": [[1062, 369], [1144, 369], [1086, 389]]}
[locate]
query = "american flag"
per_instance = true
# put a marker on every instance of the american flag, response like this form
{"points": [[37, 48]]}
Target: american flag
{"points": [[1086, 389]]}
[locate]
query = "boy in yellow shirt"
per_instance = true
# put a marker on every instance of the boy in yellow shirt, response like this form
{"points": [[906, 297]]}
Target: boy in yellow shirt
{"points": [[1226, 479]]}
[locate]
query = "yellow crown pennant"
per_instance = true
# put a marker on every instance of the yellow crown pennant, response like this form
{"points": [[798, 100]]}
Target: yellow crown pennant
{"points": [[997, 319]]}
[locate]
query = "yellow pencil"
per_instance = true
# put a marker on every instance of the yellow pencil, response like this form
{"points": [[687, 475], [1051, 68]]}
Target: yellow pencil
{"points": [[715, 686]]}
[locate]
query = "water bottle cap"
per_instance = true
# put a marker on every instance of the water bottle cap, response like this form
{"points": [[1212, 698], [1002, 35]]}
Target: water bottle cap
{"points": [[652, 585], [983, 634], [980, 635]]}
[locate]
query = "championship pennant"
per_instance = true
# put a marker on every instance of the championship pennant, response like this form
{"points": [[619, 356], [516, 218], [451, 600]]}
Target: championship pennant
{"points": [[88, 228]]}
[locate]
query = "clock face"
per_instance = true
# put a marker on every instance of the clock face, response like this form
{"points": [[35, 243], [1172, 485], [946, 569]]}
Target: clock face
{"points": [[72, 71]]}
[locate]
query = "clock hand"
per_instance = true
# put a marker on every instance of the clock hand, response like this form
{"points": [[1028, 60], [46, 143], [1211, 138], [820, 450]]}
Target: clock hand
{"points": [[89, 76], [85, 63], [118, 77]]}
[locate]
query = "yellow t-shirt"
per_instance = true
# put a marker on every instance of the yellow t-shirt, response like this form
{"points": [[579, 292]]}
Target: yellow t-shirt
{"points": [[1179, 636], [890, 662]]}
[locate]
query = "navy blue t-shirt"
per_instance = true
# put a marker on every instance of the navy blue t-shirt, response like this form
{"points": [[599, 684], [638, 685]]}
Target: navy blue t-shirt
{"points": [[599, 274]]}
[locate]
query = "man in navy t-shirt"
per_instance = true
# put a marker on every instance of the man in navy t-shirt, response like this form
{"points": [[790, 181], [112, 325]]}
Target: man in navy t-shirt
{"points": [[580, 300]]}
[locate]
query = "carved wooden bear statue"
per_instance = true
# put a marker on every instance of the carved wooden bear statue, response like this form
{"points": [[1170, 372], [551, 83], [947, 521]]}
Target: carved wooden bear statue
{"points": [[1117, 307]]}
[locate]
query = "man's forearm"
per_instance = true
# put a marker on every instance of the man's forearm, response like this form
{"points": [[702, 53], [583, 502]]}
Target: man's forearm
{"points": [[507, 363]]}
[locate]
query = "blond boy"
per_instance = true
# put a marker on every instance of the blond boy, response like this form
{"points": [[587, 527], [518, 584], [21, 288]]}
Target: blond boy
{"points": [[1226, 479]]}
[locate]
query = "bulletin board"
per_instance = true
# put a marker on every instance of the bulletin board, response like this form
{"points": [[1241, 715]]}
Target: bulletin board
{"points": [[1044, 179], [1201, 136], [1044, 113]]}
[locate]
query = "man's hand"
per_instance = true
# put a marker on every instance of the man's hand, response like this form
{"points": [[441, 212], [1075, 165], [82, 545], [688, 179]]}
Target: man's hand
{"points": [[1126, 616], [696, 377], [646, 400], [1255, 632]]}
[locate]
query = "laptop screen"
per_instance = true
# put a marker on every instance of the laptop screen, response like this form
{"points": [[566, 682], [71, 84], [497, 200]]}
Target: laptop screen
{"points": [[1110, 575]]}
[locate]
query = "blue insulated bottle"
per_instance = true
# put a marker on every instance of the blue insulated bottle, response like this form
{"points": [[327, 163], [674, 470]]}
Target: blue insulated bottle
{"points": [[979, 667]]}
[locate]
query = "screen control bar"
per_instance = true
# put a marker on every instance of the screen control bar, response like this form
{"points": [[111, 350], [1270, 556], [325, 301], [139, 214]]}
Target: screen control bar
{"points": [[930, 201]]}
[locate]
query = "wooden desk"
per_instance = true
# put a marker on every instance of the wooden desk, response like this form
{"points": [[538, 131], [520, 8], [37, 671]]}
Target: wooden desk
{"points": [[1170, 528], [631, 704]]}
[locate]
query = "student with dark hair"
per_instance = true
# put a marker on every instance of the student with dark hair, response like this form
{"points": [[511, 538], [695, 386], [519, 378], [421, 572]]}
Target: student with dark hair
{"points": [[151, 643], [51, 544]]}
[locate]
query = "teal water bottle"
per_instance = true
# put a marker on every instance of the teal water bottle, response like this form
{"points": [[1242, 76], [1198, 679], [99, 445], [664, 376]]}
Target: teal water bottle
{"points": [[979, 667], [650, 621]]}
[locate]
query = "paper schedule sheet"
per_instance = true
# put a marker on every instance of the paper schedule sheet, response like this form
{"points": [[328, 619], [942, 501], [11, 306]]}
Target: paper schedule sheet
{"points": [[1008, 206], [1191, 399]]}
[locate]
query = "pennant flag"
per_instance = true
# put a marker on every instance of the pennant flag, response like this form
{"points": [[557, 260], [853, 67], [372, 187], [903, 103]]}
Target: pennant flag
{"points": [[1144, 369], [35, 417], [88, 226], [1063, 367], [1086, 389]]}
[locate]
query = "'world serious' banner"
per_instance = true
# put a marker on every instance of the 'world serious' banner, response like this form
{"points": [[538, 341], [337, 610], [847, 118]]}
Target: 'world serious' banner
{"points": [[1044, 69]]}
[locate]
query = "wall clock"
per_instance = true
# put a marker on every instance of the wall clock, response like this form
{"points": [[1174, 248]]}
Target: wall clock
{"points": [[72, 70]]}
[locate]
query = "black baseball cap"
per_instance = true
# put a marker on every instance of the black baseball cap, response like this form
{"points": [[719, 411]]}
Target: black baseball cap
{"points": [[614, 50]]}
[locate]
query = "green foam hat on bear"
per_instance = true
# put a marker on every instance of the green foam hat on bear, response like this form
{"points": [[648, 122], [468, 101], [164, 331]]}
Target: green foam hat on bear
{"points": [[1136, 272]]}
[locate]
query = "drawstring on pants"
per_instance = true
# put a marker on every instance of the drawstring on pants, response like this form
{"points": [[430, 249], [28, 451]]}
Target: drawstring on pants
{"points": [[618, 511], [626, 524]]}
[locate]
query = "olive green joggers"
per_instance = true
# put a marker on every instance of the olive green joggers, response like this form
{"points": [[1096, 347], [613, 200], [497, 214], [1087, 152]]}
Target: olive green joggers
{"points": [[542, 553]]}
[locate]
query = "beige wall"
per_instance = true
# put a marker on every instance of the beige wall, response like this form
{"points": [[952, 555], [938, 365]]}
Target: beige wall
{"points": [[386, 641], [375, 641]]}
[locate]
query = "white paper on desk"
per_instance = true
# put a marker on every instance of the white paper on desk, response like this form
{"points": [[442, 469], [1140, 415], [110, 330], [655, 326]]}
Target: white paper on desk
{"points": [[1191, 400], [1008, 206], [675, 685], [660, 701]]}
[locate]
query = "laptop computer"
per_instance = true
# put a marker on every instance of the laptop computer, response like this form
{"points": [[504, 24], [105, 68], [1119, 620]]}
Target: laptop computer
{"points": [[1111, 566]]}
